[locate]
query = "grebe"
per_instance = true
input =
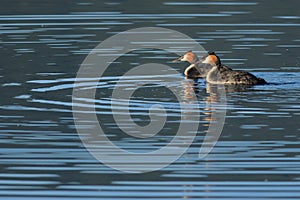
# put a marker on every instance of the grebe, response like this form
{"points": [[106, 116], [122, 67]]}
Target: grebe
{"points": [[196, 68], [220, 74], [211, 68]]}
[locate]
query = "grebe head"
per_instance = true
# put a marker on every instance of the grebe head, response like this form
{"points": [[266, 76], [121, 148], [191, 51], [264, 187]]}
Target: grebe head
{"points": [[212, 59], [189, 57]]}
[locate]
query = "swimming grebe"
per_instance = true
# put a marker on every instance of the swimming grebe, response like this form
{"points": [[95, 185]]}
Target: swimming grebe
{"points": [[220, 74], [211, 68], [196, 68]]}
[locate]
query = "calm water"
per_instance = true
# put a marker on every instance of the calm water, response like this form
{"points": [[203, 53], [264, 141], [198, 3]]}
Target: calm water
{"points": [[44, 43]]}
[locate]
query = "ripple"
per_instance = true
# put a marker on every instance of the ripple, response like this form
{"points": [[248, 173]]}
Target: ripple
{"points": [[42, 156], [216, 3], [11, 84], [231, 25], [287, 17]]}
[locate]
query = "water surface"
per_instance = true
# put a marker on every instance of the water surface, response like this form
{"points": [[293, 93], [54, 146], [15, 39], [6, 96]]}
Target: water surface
{"points": [[42, 47]]}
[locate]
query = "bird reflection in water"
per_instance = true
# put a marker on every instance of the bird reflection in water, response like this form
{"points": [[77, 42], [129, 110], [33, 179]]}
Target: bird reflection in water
{"points": [[214, 110], [214, 99]]}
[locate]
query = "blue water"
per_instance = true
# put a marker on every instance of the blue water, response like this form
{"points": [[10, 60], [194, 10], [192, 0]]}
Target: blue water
{"points": [[44, 43]]}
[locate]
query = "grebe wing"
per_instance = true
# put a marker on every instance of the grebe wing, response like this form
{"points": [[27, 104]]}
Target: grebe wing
{"points": [[240, 77]]}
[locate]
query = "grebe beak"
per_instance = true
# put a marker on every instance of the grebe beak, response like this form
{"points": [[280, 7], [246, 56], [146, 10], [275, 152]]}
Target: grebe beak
{"points": [[178, 59]]}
